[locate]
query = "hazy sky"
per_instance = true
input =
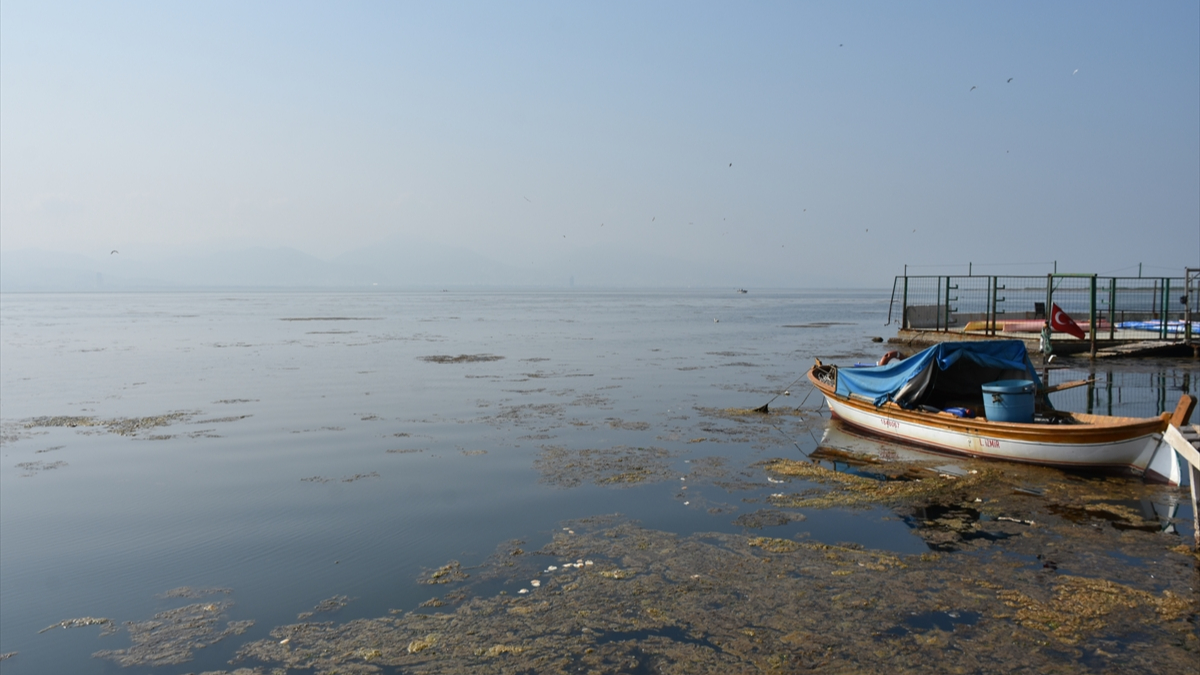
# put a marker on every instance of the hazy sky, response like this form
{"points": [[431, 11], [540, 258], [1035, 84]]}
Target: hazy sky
{"points": [[861, 135]]}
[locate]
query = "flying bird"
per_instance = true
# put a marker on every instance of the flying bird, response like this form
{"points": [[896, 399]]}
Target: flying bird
{"points": [[114, 251], [972, 88], [528, 199], [731, 164], [1076, 71], [1010, 79], [652, 219]]}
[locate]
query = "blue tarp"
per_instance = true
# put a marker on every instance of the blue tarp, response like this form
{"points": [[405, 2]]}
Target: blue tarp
{"points": [[1173, 327], [883, 383]]}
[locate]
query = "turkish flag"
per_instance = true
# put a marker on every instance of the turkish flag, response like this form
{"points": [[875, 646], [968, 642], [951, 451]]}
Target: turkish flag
{"points": [[1062, 323]]}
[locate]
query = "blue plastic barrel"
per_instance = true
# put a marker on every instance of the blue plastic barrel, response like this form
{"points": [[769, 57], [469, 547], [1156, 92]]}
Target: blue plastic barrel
{"points": [[1009, 400]]}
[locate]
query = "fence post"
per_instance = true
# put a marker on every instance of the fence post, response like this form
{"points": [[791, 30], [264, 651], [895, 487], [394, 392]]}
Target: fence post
{"points": [[937, 315], [1187, 307], [1166, 306], [1112, 307], [947, 303], [1092, 325], [904, 302]]}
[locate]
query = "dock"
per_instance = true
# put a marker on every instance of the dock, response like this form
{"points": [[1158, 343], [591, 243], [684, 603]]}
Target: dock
{"points": [[1144, 348], [1120, 316]]}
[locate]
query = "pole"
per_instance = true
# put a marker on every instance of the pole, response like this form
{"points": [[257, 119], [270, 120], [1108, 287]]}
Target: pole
{"points": [[1112, 307], [1166, 305], [1092, 317]]}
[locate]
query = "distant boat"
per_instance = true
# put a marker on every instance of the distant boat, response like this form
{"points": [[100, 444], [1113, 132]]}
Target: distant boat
{"points": [[936, 398], [742, 290]]}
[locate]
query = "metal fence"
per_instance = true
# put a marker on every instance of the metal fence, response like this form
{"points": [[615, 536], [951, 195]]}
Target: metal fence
{"points": [[1121, 308]]}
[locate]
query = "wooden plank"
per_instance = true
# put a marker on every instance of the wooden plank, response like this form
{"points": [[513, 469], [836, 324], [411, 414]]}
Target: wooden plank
{"points": [[1182, 446], [1133, 348], [1183, 410]]}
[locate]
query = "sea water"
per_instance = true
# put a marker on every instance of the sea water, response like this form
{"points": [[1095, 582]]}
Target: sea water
{"points": [[291, 447]]}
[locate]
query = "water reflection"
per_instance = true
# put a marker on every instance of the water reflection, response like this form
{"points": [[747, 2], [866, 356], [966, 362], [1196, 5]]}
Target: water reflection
{"points": [[844, 449], [1138, 388]]}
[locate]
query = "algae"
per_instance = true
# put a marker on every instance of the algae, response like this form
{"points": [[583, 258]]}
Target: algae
{"points": [[723, 603], [618, 466], [172, 636], [461, 358]]}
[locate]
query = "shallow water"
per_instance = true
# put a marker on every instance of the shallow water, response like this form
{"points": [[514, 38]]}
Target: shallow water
{"points": [[320, 448]]}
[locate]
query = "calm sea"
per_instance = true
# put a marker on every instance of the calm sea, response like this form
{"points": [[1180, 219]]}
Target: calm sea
{"points": [[293, 447]]}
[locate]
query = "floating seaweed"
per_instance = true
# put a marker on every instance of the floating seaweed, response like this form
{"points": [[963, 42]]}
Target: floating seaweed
{"points": [[618, 466], [461, 358], [328, 605], [172, 636], [718, 603]]}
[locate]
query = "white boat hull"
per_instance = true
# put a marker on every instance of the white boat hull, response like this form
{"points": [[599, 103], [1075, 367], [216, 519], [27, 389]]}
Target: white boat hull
{"points": [[1143, 454]]}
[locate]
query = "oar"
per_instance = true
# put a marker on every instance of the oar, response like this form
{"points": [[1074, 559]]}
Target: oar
{"points": [[1067, 385]]}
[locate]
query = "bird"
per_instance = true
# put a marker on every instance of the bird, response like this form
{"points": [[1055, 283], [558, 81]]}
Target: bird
{"points": [[1010, 79], [528, 199], [1076, 71], [972, 88], [114, 251], [652, 219], [731, 164], [841, 45]]}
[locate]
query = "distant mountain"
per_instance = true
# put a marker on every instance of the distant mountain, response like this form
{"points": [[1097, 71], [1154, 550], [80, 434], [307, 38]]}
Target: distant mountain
{"points": [[407, 262]]}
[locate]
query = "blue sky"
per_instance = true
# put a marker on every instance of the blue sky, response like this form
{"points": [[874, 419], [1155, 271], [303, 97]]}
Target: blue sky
{"points": [[526, 131]]}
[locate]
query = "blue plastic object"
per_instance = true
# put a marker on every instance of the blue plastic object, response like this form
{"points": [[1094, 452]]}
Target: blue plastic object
{"points": [[1009, 400]]}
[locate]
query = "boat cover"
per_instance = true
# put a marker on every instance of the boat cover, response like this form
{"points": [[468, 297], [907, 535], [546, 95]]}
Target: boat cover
{"points": [[904, 381]]}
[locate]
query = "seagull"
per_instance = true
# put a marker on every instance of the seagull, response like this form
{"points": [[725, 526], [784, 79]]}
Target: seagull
{"points": [[528, 199], [731, 164], [972, 88], [1076, 71], [1010, 79], [114, 251]]}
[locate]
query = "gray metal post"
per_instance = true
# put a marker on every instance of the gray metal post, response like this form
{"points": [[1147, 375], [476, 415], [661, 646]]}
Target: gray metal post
{"points": [[1166, 314], [1112, 307]]}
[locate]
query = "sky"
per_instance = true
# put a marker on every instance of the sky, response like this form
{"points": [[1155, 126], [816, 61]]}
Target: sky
{"points": [[830, 140]]}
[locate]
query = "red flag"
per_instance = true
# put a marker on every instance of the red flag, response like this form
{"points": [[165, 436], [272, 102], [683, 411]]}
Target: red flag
{"points": [[1062, 323]]}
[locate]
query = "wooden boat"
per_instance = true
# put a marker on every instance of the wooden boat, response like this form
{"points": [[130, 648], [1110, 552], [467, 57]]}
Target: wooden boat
{"points": [[907, 400]]}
